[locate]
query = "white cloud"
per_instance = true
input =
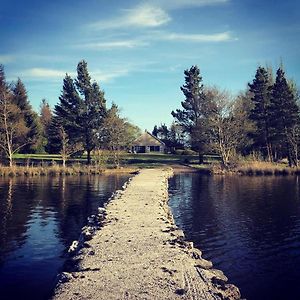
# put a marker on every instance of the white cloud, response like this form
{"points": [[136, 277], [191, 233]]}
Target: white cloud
{"points": [[176, 4], [51, 74], [145, 15], [4, 59], [113, 44], [37, 73], [107, 76], [217, 37]]}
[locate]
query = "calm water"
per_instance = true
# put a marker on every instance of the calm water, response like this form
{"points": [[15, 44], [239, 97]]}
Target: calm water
{"points": [[248, 226], [39, 218]]}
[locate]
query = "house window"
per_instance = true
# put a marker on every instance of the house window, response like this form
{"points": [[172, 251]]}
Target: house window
{"points": [[140, 149], [154, 148]]}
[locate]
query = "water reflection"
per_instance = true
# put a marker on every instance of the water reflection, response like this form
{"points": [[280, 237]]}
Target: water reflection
{"points": [[39, 218], [248, 226]]}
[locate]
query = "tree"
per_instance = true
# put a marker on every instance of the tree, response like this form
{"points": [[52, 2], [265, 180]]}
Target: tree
{"points": [[54, 145], [113, 133], [67, 148], [242, 108], [155, 130], [172, 137], [177, 136], [45, 114], [45, 120], [285, 116], [20, 99], [131, 133], [260, 113], [13, 129], [81, 109], [193, 116]]}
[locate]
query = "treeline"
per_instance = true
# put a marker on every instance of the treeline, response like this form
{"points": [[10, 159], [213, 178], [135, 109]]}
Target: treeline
{"points": [[80, 123], [263, 120]]}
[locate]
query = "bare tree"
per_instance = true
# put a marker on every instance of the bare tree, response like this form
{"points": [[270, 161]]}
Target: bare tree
{"points": [[114, 133], [67, 148], [224, 127], [13, 129]]}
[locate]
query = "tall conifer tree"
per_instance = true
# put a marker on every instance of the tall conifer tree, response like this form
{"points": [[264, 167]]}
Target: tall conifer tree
{"points": [[80, 111], [260, 113], [193, 116], [20, 99], [285, 115]]}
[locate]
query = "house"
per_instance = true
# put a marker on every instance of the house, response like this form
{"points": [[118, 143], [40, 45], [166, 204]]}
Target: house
{"points": [[146, 143]]}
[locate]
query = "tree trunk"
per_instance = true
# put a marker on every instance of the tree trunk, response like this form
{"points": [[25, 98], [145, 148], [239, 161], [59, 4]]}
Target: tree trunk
{"points": [[10, 160], [201, 160], [64, 161], [88, 157]]}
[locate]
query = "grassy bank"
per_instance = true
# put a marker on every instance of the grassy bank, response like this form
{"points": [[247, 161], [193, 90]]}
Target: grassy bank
{"points": [[249, 168], [51, 165], [58, 170], [259, 168]]}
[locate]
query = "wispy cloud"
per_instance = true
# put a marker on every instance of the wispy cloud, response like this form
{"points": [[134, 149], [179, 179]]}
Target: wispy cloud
{"points": [[145, 15], [51, 74], [176, 4], [40, 73], [103, 45], [202, 38], [156, 36], [108, 76]]}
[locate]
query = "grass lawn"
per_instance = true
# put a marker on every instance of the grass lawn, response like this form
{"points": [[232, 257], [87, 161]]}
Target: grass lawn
{"points": [[137, 160]]}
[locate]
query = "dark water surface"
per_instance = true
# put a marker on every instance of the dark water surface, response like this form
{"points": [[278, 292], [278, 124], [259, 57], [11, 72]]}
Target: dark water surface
{"points": [[39, 218], [249, 227]]}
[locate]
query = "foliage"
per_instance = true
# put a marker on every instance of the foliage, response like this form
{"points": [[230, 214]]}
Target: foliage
{"points": [[264, 119], [193, 116], [80, 111], [20, 99], [13, 126], [285, 118], [113, 133], [260, 113]]}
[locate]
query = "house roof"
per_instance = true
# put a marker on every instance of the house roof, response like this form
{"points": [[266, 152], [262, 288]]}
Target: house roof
{"points": [[147, 139]]}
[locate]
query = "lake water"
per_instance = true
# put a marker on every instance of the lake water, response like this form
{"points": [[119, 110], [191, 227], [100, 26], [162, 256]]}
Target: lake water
{"points": [[249, 227], [39, 218]]}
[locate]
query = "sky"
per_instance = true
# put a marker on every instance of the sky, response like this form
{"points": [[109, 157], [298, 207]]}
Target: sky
{"points": [[138, 50]]}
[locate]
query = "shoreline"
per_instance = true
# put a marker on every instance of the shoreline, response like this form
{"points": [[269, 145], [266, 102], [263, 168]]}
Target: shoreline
{"points": [[52, 171], [133, 250]]}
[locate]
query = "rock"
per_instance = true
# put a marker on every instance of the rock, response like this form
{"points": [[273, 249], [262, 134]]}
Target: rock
{"points": [[64, 277], [232, 292], [73, 247], [101, 210], [204, 264], [196, 253], [87, 232]]}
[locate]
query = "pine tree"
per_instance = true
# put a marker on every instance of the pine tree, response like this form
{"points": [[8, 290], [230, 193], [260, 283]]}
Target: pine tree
{"points": [[260, 113], [93, 107], [155, 130], [195, 109], [20, 99], [285, 115], [80, 111]]}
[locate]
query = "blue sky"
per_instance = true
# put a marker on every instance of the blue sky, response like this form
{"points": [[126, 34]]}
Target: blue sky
{"points": [[138, 50]]}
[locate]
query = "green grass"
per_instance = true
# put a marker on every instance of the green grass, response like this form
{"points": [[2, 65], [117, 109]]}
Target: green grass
{"points": [[141, 160], [38, 156]]}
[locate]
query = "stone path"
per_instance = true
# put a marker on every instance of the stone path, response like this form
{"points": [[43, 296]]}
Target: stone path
{"points": [[140, 254]]}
